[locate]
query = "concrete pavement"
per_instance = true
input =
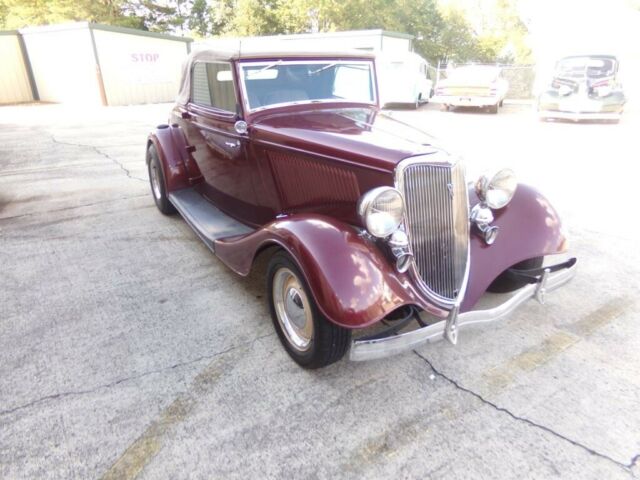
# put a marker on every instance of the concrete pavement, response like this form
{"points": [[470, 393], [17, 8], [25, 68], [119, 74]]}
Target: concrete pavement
{"points": [[127, 350]]}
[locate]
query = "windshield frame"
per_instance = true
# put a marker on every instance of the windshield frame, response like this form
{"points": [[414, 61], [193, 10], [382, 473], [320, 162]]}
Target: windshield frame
{"points": [[327, 60], [585, 59]]}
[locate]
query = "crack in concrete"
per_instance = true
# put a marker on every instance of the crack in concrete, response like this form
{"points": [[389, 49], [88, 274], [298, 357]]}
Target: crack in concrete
{"points": [[60, 395], [73, 207], [529, 422], [100, 152]]}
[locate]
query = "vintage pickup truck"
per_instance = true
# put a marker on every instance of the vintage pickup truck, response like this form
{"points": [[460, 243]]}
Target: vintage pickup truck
{"points": [[377, 242]]}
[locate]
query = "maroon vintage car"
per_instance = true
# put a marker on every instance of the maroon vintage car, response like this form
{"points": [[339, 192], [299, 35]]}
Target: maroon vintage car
{"points": [[372, 230]]}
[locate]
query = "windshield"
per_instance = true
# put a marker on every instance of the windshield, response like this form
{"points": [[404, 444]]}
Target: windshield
{"points": [[281, 82], [580, 67]]}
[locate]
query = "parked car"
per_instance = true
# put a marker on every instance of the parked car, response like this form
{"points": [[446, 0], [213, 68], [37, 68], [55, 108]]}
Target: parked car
{"points": [[376, 241], [480, 86], [584, 88], [404, 78]]}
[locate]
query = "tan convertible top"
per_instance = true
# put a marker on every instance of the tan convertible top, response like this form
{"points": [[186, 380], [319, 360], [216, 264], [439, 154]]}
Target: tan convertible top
{"points": [[217, 55]]}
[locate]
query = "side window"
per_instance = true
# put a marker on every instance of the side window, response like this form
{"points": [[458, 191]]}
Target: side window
{"points": [[212, 86]]}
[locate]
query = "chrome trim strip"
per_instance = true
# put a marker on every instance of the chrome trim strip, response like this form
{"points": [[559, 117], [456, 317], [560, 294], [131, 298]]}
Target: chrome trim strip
{"points": [[384, 347]]}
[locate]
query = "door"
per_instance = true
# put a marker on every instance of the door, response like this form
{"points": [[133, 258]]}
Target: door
{"points": [[220, 151]]}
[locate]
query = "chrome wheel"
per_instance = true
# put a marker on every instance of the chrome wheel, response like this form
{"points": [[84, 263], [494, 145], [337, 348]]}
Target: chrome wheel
{"points": [[155, 180], [292, 309]]}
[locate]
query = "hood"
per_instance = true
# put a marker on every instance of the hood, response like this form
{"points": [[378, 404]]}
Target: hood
{"points": [[361, 135]]}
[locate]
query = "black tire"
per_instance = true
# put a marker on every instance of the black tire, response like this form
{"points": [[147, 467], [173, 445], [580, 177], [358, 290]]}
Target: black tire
{"points": [[493, 109], [328, 342], [159, 191], [504, 284]]}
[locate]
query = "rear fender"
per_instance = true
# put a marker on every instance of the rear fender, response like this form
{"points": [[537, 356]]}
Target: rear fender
{"points": [[178, 166], [350, 278], [529, 227]]}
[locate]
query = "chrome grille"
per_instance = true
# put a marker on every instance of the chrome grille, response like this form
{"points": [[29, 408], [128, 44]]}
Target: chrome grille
{"points": [[437, 222]]}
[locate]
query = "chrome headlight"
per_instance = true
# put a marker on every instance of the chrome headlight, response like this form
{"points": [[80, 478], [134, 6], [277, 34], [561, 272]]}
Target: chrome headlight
{"points": [[381, 211], [498, 190]]}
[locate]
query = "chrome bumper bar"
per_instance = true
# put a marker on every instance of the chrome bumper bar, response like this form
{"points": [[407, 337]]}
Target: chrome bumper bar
{"points": [[466, 100], [576, 116], [384, 347]]}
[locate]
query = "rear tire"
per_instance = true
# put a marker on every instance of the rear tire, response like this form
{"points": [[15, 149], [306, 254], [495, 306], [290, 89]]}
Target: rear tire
{"points": [[493, 109], [156, 180], [309, 338], [504, 284]]}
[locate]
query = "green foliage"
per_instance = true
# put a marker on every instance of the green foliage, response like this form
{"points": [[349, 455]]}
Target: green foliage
{"points": [[4, 11], [200, 20], [23, 13]]}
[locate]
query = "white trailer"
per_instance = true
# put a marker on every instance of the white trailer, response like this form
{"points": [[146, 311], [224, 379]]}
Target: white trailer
{"points": [[403, 78]]}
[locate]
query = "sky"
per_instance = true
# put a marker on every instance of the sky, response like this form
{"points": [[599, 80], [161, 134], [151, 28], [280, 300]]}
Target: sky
{"points": [[565, 27], [575, 27]]}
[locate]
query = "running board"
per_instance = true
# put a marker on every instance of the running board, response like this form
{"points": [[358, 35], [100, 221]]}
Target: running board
{"points": [[207, 221]]}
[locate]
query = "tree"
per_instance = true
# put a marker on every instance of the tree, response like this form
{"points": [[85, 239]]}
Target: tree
{"points": [[200, 21], [154, 15], [23, 13], [439, 34], [4, 11], [267, 17]]}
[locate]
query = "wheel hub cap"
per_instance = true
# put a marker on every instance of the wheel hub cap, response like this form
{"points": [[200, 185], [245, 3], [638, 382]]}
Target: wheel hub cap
{"points": [[155, 181], [292, 309]]}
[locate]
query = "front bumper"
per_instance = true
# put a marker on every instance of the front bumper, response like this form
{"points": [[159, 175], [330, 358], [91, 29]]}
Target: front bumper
{"points": [[384, 347], [580, 106], [465, 101], [577, 116]]}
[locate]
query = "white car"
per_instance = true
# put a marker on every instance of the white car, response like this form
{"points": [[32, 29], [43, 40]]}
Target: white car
{"points": [[479, 86], [403, 78]]}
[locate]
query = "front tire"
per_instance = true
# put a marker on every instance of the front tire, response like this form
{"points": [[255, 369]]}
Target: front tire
{"points": [[309, 338], [156, 180]]}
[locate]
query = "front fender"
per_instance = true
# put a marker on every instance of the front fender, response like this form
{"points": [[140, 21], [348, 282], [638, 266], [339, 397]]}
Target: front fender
{"points": [[350, 278], [529, 227]]}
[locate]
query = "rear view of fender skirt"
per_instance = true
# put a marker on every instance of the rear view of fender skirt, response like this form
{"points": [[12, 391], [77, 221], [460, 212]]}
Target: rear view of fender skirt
{"points": [[550, 279]]}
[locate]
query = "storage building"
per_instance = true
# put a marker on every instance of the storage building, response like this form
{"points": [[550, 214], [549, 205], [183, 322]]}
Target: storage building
{"points": [[15, 82], [95, 64]]}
